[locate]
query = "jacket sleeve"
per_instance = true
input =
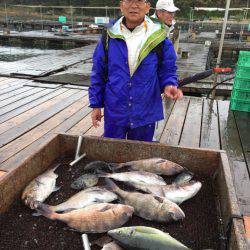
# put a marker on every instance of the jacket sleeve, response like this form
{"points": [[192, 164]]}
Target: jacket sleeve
{"points": [[97, 86], [167, 70]]}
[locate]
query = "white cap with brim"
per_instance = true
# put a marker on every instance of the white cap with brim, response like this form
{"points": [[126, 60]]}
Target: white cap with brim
{"points": [[167, 5]]}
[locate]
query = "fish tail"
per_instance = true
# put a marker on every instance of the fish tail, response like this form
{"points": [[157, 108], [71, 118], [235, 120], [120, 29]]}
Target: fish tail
{"points": [[57, 166], [47, 211], [111, 185], [114, 166]]}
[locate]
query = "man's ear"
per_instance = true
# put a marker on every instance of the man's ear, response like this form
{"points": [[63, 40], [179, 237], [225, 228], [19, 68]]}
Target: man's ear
{"points": [[121, 6], [148, 7]]}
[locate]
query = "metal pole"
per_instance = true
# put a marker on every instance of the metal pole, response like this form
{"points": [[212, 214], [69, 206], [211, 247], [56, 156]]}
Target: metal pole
{"points": [[41, 14], [6, 15], [221, 45], [85, 241], [72, 19]]}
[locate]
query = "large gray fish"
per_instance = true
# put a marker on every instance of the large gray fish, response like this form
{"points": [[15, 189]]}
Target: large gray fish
{"points": [[40, 188], [138, 177], [84, 181], [111, 246], [85, 198], [174, 193], [148, 206], [154, 165], [145, 238], [96, 218]]}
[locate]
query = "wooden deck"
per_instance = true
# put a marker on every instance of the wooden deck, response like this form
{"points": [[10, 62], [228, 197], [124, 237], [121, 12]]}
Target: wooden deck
{"points": [[30, 116]]}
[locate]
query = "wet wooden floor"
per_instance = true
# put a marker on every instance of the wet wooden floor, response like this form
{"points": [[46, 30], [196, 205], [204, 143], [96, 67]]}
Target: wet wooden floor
{"points": [[31, 113]]}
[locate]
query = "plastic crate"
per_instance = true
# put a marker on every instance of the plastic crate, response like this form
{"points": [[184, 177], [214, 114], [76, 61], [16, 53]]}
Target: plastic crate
{"points": [[239, 105], [241, 83], [244, 59], [239, 94], [243, 72]]}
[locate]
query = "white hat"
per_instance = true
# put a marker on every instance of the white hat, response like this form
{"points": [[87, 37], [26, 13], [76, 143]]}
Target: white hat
{"points": [[167, 5]]}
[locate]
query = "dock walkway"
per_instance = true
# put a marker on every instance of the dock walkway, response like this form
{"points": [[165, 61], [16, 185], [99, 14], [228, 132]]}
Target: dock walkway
{"points": [[30, 116]]}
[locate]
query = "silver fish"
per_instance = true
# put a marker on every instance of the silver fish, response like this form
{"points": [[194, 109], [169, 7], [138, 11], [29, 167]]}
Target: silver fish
{"points": [[85, 181], [138, 177], [154, 165], [174, 193], [85, 198], [184, 177], [148, 206], [145, 238], [111, 246], [96, 218], [40, 188]]}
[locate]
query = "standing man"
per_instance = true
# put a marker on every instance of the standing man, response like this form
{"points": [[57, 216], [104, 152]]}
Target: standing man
{"points": [[165, 11], [129, 82]]}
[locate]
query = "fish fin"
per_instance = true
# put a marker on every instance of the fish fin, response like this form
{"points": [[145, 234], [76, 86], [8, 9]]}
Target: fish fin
{"points": [[114, 166], [56, 188], [160, 161], [96, 200], [158, 198], [36, 214], [107, 207], [57, 166], [70, 229], [110, 185], [46, 211]]}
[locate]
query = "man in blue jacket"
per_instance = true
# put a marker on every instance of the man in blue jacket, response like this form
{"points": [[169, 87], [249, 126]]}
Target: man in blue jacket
{"points": [[131, 91]]}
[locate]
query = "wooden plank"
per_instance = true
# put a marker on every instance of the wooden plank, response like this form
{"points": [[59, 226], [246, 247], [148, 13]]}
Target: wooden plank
{"points": [[34, 134], [190, 136], [19, 97], [63, 93], [10, 87], [230, 141], [43, 85], [247, 226], [26, 100], [82, 126], [36, 120], [28, 106], [15, 161], [96, 131], [168, 105], [14, 93], [210, 130], [243, 125], [223, 110], [172, 131]]}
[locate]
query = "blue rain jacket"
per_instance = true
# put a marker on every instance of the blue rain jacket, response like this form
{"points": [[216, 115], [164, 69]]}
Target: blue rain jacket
{"points": [[131, 100]]}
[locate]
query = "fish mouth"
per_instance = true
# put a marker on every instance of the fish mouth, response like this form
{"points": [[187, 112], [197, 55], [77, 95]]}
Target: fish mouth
{"points": [[177, 214]]}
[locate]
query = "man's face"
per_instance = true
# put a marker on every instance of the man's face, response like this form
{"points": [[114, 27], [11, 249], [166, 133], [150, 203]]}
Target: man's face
{"points": [[165, 16], [134, 10]]}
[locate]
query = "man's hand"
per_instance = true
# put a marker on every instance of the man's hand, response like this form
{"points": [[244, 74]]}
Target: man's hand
{"points": [[172, 92], [96, 116]]}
